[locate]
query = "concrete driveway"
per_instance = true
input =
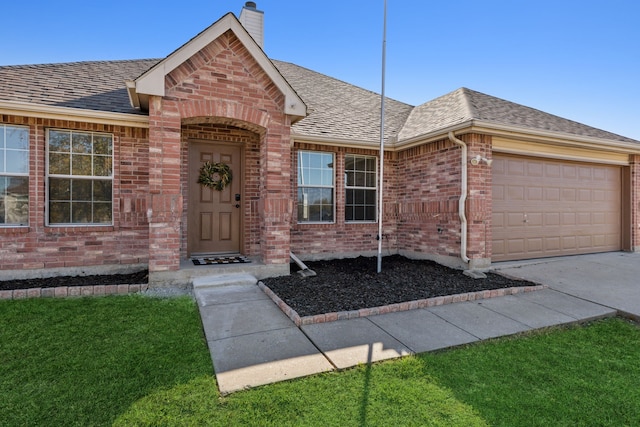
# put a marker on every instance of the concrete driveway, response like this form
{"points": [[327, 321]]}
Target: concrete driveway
{"points": [[611, 279]]}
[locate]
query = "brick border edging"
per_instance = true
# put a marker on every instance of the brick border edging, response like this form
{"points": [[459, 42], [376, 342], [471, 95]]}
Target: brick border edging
{"points": [[403, 306], [72, 291]]}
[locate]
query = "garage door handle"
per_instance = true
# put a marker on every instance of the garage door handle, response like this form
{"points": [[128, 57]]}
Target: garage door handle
{"points": [[525, 218]]}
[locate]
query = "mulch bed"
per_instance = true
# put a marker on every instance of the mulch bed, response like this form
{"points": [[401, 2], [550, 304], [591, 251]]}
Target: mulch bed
{"points": [[138, 278], [352, 284], [340, 285]]}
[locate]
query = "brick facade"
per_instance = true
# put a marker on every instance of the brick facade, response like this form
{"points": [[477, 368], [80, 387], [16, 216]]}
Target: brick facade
{"points": [[421, 194], [39, 246], [221, 94]]}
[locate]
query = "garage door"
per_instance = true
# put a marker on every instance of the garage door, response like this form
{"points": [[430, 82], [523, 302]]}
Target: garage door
{"points": [[545, 208]]}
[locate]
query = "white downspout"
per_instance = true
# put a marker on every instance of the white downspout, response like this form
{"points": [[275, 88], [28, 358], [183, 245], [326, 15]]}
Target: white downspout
{"points": [[463, 198]]}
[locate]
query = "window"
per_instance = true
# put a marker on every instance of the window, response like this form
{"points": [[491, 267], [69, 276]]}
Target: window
{"points": [[360, 188], [80, 177], [14, 175], [315, 187]]}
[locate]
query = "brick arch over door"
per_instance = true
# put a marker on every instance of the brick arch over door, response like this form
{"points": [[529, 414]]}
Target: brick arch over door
{"points": [[224, 112]]}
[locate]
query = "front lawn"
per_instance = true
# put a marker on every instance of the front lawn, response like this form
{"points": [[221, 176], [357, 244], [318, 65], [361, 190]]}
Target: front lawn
{"points": [[133, 360]]}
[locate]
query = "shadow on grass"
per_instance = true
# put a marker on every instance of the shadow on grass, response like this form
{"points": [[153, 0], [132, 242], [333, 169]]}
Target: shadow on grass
{"points": [[389, 393]]}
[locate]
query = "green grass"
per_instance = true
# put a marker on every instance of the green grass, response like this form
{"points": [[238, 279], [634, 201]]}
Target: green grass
{"points": [[136, 361]]}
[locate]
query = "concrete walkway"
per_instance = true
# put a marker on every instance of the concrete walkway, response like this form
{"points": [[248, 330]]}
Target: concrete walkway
{"points": [[253, 343]]}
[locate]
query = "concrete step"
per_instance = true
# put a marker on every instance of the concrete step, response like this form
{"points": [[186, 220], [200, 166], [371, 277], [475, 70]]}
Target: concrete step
{"points": [[211, 281]]}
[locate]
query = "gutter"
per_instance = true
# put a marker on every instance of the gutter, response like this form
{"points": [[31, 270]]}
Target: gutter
{"points": [[462, 203], [74, 114]]}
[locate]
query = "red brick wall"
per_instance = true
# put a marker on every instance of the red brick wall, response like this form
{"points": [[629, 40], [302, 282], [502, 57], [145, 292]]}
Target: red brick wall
{"points": [[39, 246], [422, 190], [479, 198], [429, 221]]}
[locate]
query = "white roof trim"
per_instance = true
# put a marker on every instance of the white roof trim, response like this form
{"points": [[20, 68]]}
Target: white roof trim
{"points": [[153, 80], [73, 114]]}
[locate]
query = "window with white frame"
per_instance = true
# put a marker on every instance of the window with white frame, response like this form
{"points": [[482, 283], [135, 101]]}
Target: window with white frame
{"points": [[360, 188], [315, 187], [14, 175], [80, 177]]}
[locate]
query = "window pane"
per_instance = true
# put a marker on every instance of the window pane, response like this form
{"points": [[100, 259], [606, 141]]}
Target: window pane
{"points": [[370, 197], [59, 213], [81, 142], [371, 180], [17, 138], [17, 161], [314, 177], [81, 165], [349, 179], [349, 196], [349, 163], [59, 141], [371, 164], [102, 213], [315, 204], [102, 191], [370, 213], [327, 177], [14, 200], [59, 164], [80, 190], [348, 213], [81, 212], [315, 160], [101, 166], [59, 189], [102, 144]]}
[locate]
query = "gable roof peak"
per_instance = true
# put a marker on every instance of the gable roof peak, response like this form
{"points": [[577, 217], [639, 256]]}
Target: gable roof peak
{"points": [[152, 82]]}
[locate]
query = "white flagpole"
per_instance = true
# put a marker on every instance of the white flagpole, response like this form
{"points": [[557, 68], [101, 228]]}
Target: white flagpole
{"points": [[381, 185]]}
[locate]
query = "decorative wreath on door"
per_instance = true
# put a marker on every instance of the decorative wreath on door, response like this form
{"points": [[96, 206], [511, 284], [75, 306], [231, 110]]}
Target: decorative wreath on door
{"points": [[215, 175]]}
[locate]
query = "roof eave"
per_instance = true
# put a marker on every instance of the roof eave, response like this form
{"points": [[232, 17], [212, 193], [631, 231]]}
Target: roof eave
{"points": [[525, 134], [73, 114], [556, 138]]}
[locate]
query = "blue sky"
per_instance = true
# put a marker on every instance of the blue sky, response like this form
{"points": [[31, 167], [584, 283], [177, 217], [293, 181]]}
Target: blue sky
{"points": [[576, 59]]}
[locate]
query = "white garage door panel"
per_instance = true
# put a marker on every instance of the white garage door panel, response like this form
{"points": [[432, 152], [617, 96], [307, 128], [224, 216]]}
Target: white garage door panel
{"points": [[547, 208]]}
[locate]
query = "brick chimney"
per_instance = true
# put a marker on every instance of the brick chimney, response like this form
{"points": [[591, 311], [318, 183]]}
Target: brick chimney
{"points": [[252, 20]]}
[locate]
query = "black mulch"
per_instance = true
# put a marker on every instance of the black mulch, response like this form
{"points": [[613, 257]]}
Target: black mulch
{"points": [[138, 278], [351, 284]]}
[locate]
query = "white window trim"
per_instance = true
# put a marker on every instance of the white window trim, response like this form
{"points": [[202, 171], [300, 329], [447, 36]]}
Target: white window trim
{"points": [[47, 176], [332, 187], [3, 127], [346, 187]]}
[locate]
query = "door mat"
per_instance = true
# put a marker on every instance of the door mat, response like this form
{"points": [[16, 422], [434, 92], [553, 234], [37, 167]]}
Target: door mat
{"points": [[213, 260]]}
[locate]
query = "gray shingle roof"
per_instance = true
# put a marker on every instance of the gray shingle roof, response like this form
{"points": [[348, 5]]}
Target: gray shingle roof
{"points": [[464, 104], [335, 109], [340, 110], [96, 85]]}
